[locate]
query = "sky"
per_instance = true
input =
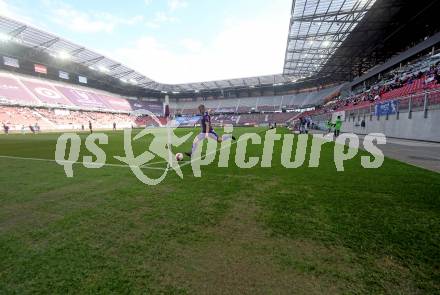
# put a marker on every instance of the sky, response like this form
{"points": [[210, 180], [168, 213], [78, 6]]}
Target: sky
{"points": [[170, 41]]}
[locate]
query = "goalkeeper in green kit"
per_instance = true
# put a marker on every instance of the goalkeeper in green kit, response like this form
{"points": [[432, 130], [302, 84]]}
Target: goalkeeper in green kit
{"points": [[338, 125]]}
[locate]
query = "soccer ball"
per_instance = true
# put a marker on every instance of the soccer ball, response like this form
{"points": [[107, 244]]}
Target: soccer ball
{"points": [[179, 157]]}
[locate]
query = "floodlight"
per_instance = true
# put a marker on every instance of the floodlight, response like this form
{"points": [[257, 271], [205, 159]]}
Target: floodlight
{"points": [[103, 69], [4, 37], [63, 55], [326, 43]]}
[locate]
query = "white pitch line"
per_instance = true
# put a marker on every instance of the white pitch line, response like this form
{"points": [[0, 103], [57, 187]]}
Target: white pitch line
{"points": [[145, 166], [213, 152], [75, 162], [154, 163]]}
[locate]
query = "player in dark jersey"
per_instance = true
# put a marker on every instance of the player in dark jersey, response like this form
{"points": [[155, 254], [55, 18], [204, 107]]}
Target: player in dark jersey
{"points": [[205, 122], [207, 129], [6, 128]]}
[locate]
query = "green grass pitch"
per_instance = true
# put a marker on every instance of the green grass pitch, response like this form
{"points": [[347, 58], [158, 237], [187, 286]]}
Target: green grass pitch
{"points": [[232, 231]]}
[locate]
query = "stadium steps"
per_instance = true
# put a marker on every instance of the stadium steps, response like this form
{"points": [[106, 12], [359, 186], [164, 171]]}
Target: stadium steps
{"points": [[49, 122]]}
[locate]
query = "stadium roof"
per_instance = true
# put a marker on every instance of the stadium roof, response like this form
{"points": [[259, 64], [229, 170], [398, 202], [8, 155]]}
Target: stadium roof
{"points": [[389, 28], [317, 29], [231, 83], [59, 47]]}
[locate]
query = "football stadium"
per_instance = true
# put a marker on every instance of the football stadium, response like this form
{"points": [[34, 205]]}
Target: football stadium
{"points": [[320, 178]]}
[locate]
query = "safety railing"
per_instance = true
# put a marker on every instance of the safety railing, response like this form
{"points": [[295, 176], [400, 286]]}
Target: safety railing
{"points": [[406, 105], [403, 106]]}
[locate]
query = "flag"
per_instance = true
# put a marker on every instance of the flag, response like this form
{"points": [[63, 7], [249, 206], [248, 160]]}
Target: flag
{"points": [[12, 62], [82, 79], [63, 75], [40, 69]]}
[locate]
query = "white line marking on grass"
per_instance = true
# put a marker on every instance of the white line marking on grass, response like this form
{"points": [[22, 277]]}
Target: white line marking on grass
{"points": [[74, 162], [154, 163], [216, 151]]}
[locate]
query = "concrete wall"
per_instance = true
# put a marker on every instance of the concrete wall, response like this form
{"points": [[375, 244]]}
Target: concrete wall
{"points": [[418, 127]]}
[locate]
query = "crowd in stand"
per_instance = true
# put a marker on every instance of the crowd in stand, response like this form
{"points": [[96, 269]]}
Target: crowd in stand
{"points": [[414, 78], [17, 118], [408, 83], [252, 119], [35, 119]]}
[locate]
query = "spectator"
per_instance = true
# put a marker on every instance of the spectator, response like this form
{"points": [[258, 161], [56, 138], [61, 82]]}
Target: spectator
{"points": [[363, 123], [437, 76], [329, 126], [6, 128]]}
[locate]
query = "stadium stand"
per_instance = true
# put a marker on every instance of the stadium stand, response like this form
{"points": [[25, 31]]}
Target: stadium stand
{"points": [[18, 118], [402, 103], [27, 91], [223, 119], [253, 119], [414, 79], [27, 101], [262, 104]]}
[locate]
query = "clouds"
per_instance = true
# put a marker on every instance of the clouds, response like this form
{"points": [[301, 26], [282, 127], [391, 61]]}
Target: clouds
{"points": [[176, 4], [12, 11], [241, 48], [192, 45], [83, 21], [66, 16], [167, 15], [87, 21], [159, 19]]}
